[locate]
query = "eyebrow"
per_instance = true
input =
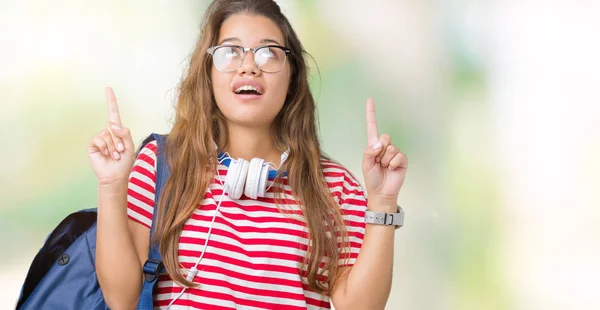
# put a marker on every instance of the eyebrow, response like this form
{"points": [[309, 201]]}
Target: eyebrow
{"points": [[263, 41]]}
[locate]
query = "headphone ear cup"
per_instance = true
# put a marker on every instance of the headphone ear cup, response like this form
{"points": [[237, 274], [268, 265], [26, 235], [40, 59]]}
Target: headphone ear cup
{"points": [[230, 176], [241, 179], [262, 180], [236, 177], [253, 178]]}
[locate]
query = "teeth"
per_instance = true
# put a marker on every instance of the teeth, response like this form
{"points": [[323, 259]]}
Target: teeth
{"points": [[246, 87]]}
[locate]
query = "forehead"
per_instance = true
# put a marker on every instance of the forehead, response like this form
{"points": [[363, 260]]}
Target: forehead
{"points": [[250, 30]]}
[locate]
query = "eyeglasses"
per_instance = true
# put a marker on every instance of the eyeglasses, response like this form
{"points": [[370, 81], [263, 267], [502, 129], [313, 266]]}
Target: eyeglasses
{"points": [[229, 58]]}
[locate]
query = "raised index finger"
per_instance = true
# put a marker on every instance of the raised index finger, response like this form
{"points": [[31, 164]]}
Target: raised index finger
{"points": [[113, 108], [372, 134]]}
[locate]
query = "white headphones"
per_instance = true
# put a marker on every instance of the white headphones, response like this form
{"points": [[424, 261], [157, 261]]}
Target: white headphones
{"points": [[254, 175]]}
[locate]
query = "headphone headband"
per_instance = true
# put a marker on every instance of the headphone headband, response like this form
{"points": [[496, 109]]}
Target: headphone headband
{"points": [[224, 159]]}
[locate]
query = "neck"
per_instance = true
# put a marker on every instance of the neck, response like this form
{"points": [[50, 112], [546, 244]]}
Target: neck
{"points": [[248, 143]]}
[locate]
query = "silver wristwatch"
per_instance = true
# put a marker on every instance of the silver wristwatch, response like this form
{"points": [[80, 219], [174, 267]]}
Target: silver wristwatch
{"points": [[382, 218]]}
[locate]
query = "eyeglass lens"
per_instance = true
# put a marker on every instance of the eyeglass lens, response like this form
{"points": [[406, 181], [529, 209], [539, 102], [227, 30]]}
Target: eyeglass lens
{"points": [[230, 58]]}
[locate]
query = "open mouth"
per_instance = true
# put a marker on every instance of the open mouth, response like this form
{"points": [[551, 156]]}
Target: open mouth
{"points": [[247, 90]]}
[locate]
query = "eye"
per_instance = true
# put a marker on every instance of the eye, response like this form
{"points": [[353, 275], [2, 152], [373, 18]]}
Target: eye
{"points": [[230, 52], [267, 52]]}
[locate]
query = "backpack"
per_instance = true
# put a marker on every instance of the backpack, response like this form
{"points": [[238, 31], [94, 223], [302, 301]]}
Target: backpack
{"points": [[63, 274]]}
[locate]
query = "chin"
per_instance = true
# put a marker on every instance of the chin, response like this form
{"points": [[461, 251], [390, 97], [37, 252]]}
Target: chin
{"points": [[250, 120], [251, 113]]}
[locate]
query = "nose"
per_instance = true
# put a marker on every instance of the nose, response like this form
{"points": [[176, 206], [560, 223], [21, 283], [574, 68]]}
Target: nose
{"points": [[248, 65]]}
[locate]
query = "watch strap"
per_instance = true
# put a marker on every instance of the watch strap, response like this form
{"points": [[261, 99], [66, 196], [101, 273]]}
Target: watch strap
{"points": [[388, 219]]}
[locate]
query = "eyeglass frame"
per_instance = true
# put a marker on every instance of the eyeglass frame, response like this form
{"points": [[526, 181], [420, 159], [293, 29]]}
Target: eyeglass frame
{"points": [[287, 51]]}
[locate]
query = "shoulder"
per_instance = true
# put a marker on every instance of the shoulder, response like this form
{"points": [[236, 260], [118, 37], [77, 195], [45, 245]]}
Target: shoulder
{"points": [[336, 172], [149, 148], [147, 154], [344, 186]]}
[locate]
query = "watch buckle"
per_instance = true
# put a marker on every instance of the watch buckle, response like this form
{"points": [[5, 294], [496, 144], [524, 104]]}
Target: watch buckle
{"points": [[385, 218]]}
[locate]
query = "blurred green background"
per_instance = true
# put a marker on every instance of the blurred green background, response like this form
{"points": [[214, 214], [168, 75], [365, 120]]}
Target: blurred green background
{"points": [[494, 102]]}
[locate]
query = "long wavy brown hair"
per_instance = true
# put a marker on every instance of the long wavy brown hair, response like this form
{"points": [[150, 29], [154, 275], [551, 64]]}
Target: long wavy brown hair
{"points": [[192, 156]]}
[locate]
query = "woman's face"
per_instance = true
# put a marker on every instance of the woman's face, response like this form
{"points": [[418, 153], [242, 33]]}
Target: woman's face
{"points": [[243, 106]]}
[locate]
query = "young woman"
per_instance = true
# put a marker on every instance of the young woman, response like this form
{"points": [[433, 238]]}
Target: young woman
{"points": [[301, 244]]}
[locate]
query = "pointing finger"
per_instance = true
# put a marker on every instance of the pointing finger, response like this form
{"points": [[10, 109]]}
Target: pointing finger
{"points": [[113, 108], [372, 134]]}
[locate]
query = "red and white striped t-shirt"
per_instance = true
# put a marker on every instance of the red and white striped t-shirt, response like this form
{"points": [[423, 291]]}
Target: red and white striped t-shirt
{"points": [[254, 252]]}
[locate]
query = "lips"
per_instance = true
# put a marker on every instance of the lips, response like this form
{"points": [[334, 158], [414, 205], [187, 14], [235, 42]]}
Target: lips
{"points": [[248, 87]]}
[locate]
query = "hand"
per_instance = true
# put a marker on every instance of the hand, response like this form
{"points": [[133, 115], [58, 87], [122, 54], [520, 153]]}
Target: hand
{"points": [[111, 151], [384, 166]]}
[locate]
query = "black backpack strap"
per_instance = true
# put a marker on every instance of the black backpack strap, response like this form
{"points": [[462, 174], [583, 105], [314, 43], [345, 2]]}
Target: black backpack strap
{"points": [[154, 266]]}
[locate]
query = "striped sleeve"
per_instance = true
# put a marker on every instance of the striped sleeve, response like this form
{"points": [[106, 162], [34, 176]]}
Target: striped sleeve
{"points": [[141, 187], [353, 205], [351, 199]]}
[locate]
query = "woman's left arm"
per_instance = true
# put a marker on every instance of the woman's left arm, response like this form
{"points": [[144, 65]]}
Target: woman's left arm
{"points": [[367, 284]]}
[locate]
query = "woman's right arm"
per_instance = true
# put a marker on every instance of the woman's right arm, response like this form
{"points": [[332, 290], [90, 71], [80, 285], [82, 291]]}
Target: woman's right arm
{"points": [[118, 263], [121, 244]]}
